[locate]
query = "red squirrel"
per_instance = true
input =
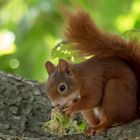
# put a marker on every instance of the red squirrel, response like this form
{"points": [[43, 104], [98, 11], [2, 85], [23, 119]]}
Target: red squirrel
{"points": [[107, 84]]}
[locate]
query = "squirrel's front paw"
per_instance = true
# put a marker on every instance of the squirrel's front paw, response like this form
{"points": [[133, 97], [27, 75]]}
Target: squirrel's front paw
{"points": [[67, 110]]}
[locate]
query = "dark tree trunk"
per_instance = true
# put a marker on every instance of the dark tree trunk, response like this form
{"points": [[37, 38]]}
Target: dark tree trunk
{"points": [[24, 108]]}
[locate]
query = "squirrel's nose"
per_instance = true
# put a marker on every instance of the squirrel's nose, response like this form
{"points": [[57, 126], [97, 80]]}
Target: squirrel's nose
{"points": [[54, 106], [58, 105]]}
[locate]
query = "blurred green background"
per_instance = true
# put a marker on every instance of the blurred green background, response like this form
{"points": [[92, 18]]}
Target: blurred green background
{"points": [[29, 29]]}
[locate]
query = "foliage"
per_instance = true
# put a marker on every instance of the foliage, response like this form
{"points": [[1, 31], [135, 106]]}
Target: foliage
{"points": [[29, 30], [63, 125]]}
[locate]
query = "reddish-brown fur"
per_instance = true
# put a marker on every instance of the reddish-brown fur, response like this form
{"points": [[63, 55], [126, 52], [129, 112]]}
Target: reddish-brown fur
{"points": [[109, 81]]}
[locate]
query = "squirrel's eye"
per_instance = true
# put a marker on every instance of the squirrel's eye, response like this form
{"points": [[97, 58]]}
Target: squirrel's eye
{"points": [[62, 87]]}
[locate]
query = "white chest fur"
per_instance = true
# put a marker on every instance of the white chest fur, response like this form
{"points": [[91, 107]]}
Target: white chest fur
{"points": [[96, 111]]}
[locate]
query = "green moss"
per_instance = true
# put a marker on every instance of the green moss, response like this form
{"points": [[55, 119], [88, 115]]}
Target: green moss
{"points": [[63, 125]]}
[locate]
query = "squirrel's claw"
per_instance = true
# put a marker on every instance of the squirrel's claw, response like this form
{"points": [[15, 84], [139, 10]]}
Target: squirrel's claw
{"points": [[89, 132]]}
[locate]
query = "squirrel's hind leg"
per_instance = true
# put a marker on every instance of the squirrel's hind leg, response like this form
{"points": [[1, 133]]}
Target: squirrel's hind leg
{"points": [[99, 128], [102, 126]]}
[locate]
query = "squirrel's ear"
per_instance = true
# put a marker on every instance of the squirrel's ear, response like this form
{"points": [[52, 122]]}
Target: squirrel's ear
{"points": [[62, 65], [49, 67]]}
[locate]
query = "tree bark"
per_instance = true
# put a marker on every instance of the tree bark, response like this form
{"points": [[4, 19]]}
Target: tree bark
{"points": [[24, 107]]}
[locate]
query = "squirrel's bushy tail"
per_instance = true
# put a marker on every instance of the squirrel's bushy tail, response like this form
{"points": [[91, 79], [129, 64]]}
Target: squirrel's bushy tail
{"points": [[89, 40]]}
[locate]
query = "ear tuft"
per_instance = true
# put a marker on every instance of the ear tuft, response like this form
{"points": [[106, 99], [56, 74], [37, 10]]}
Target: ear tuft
{"points": [[49, 67], [62, 65]]}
